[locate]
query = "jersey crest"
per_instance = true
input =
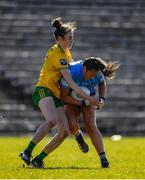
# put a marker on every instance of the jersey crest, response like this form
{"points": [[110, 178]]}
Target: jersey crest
{"points": [[63, 61]]}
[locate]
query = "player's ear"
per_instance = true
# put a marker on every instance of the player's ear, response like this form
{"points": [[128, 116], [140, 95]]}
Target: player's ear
{"points": [[60, 38], [84, 68]]}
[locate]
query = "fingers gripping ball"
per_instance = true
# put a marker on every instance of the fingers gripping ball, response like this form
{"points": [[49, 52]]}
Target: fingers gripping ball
{"points": [[78, 97]]}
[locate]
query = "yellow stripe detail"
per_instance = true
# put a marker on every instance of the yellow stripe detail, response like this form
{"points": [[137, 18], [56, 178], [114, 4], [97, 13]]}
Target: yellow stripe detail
{"points": [[43, 92], [40, 93]]}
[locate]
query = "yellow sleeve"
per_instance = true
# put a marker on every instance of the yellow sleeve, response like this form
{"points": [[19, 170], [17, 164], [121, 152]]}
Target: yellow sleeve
{"points": [[58, 61]]}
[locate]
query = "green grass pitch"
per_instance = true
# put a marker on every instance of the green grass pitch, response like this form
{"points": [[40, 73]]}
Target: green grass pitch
{"points": [[127, 160]]}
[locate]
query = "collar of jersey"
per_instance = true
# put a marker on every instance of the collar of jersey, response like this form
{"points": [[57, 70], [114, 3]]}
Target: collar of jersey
{"points": [[61, 49]]}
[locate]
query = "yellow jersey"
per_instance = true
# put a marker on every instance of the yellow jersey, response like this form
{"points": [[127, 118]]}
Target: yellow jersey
{"points": [[55, 60]]}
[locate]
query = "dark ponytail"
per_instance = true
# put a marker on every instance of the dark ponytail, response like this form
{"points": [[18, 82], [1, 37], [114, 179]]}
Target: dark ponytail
{"points": [[62, 28]]}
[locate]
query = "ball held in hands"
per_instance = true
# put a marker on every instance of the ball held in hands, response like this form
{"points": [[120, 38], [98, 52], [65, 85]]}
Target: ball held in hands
{"points": [[78, 97]]}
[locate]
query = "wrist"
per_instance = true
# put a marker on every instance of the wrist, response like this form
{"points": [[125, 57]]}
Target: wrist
{"points": [[102, 99]]}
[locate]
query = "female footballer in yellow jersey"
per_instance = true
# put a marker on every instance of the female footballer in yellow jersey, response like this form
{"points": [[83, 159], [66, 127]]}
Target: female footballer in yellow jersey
{"points": [[47, 93]]}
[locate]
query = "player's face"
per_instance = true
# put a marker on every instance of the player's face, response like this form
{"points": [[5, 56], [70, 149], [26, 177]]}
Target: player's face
{"points": [[68, 40], [89, 74]]}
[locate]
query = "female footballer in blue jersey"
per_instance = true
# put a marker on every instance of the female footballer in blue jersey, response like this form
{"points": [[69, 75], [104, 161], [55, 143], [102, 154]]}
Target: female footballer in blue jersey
{"points": [[91, 74]]}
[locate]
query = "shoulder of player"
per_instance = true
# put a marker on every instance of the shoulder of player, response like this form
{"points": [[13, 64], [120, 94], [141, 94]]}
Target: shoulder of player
{"points": [[54, 50], [76, 63], [76, 68], [57, 50]]}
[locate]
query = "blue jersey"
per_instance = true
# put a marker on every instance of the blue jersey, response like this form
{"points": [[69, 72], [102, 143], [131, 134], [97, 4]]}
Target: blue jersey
{"points": [[76, 70]]}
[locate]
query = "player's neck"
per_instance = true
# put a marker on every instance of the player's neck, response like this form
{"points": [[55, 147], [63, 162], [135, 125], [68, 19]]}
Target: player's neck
{"points": [[84, 73], [65, 49]]}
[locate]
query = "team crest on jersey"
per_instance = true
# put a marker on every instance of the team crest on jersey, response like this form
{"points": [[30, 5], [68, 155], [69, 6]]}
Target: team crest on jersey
{"points": [[63, 61]]}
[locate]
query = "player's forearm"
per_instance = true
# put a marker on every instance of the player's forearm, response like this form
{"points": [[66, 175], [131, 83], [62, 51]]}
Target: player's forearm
{"points": [[73, 85], [102, 89], [70, 100]]}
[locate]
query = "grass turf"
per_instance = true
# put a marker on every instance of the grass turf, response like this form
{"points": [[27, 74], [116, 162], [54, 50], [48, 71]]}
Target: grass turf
{"points": [[126, 160]]}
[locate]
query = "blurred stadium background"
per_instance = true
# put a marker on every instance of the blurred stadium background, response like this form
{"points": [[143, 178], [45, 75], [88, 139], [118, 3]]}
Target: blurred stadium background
{"points": [[111, 29]]}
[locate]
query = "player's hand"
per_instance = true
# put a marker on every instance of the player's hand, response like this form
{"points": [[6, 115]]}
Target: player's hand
{"points": [[94, 101], [101, 103]]}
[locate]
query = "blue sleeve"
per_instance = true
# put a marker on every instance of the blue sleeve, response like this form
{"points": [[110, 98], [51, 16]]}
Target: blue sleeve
{"points": [[63, 83]]}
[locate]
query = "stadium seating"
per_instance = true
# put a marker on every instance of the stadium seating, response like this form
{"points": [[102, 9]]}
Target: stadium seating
{"points": [[113, 30]]}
